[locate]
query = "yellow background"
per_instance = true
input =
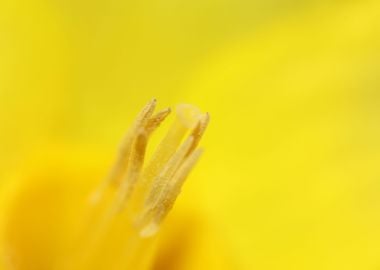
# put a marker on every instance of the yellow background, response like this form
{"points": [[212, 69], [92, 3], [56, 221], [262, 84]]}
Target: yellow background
{"points": [[291, 174]]}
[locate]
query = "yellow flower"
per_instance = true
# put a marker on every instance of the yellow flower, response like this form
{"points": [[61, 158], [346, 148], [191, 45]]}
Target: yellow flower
{"points": [[290, 179]]}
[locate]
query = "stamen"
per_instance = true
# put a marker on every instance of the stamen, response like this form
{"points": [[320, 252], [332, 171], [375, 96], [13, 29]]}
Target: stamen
{"points": [[163, 179], [131, 203], [136, 159], [126, 146], [134, 169], [159, 196], [199, 130], [121, 164], [164, 203], [155, 121], [186, 117]]}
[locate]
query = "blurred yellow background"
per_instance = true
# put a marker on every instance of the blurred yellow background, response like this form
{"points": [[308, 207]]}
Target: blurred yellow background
{"points": [[291, 174]]}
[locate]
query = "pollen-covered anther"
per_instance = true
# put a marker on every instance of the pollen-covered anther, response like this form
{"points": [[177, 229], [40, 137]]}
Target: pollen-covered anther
{"points": [[156, 212], [137, 155], [148, 192], [124, 157], [167, 185], [128, 207]]}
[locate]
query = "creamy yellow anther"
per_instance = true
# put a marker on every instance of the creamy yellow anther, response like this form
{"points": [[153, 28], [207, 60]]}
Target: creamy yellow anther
{"points": [[129, 206]]}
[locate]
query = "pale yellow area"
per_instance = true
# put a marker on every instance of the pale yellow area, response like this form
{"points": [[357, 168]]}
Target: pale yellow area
{"points": [[290, 178]]}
